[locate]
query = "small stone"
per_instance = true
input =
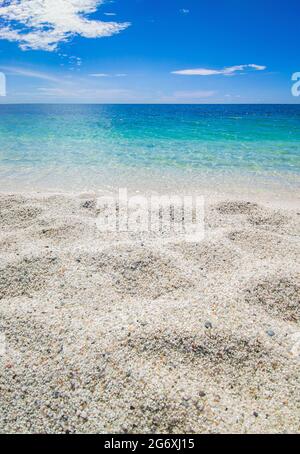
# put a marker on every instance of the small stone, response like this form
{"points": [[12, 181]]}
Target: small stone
{"points": [[185, 403], [88, 204], [83, 415], [208, 325], [270, 333], [202, 394], [255, 414]]}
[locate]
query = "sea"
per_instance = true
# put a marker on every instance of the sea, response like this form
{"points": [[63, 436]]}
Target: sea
{"points": [[84, 147]]}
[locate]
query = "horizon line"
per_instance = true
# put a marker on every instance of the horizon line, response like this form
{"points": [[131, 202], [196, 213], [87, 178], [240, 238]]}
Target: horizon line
{"points": [[153, 103]]}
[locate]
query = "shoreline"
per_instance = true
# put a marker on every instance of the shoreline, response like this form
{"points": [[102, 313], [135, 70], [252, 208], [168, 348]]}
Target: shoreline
{"points": [[281, 197]]}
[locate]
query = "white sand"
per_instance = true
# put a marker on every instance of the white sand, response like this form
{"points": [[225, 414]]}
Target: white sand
{"points": [[113, 333]]}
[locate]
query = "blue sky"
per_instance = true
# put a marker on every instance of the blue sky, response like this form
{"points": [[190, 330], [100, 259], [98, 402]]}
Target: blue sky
{"points": [[143, 51]]}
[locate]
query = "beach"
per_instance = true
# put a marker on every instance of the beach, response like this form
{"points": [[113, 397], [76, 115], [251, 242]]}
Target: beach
{"points": [[149, 220], [106, 332], [152, 330]]}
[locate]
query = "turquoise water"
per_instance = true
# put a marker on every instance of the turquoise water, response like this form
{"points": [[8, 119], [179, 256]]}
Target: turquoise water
{"points": [[56, 141]]}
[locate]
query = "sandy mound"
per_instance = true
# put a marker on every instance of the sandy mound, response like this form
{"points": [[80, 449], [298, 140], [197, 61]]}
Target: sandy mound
{"points": [[63, 230], [254, 213], [280, 296], [221, 351], [209, 256], [237, 207], [264, 245], [16, 214], [27, 276], [267, 218], [109, 333], [137, 271]]}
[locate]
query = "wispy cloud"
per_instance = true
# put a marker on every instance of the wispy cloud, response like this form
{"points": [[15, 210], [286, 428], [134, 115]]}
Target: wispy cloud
{"points": [[43, 24], [79, 93], [230, 71], [194, 94], [99, 75], [107, 75], [16, 71]]}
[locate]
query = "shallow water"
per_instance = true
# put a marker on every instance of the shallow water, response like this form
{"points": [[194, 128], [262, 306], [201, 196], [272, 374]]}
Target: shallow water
{"points": [[82, 146]]}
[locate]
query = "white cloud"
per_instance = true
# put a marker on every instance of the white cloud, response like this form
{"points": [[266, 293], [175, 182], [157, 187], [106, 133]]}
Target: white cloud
{"points": [[184, 11], [43, 24], [230, 71], [194, 94]]}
